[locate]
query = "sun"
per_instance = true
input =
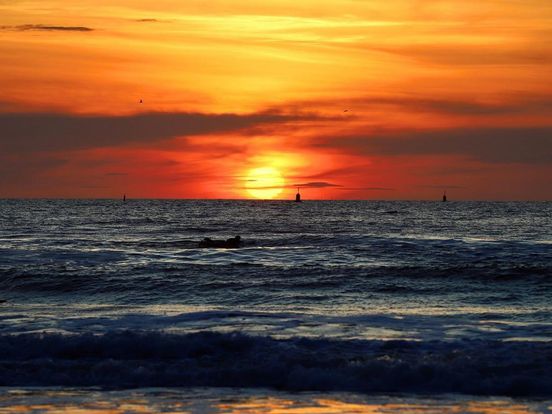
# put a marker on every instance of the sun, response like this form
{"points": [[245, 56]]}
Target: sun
{"points": [[264, 182]]}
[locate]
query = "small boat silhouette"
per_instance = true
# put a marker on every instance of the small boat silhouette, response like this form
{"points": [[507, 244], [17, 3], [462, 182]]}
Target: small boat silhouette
{"points": [[231, 243]]}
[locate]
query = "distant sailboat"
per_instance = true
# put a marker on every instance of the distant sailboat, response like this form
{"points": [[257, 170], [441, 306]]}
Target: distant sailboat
{"points": [[444, 196], [298, 196], [124, 198]]}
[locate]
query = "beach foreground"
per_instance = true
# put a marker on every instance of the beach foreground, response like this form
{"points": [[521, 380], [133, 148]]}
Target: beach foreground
{"points": [[226, 400]]}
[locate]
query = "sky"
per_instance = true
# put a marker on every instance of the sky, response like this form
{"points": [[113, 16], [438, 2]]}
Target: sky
{"points": [[345, 99]]}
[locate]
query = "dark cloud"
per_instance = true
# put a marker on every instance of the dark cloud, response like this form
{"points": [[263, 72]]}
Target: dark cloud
{"points": [[147, 20], [530, 145], [315, 184], [51, 132], [507, 104], [519, 105], [116, 174], [46, 27]]}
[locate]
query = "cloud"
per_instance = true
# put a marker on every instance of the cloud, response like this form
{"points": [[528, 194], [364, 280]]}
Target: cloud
{"points": [[116, 174], [527, 145], [46, 27], [504, 104], [147, 20], [53, 132], [315, 184], [515, 105]]}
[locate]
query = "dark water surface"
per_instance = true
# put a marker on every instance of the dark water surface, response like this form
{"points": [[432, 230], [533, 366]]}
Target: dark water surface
{"points": [[423, 297]]}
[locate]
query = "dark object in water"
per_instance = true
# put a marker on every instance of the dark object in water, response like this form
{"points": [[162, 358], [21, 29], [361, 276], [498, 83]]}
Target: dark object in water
{"points": [[444, 196], [298, 197], [231, 243]]}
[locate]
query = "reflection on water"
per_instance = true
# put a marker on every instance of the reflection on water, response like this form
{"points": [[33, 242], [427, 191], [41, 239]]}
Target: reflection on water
{"points": [[88, 401]]}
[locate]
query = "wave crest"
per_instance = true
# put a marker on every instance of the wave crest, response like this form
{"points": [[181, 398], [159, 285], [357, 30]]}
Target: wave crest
{"points": [[145, 359]]}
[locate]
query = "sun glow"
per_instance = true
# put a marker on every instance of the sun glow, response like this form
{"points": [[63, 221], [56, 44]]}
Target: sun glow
{"points": [[264, 182]]}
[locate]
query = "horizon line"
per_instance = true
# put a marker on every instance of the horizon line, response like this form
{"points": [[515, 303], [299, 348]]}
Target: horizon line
{"points": [[276, 199]]}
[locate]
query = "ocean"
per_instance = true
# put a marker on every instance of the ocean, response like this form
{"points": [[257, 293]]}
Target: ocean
{"points": [[382, 305]]}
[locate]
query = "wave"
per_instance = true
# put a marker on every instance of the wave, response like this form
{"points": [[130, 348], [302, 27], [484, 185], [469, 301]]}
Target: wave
{"points": [[145, 359], [174, 277], [480, 325]]}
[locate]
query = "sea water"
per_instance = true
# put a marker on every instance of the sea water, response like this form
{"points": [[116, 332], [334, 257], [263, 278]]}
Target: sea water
{"points": [[365, 297]]}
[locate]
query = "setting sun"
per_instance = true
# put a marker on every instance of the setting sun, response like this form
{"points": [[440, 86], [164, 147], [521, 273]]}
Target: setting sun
{"points": [[264, 182]]}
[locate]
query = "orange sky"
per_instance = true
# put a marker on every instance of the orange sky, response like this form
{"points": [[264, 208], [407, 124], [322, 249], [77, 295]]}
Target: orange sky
{"points": [[396, 99]]}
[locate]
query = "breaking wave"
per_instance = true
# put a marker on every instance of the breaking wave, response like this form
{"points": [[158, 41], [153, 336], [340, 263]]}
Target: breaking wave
{"points": [[146, 359]]}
